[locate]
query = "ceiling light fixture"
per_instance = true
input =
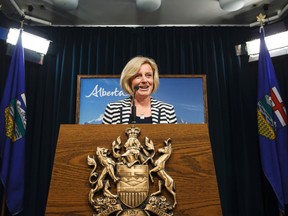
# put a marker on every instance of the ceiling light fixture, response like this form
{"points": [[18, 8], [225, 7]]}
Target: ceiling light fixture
{"points": [[148, 5], [30, 41], [231, 5], [277, 45]]}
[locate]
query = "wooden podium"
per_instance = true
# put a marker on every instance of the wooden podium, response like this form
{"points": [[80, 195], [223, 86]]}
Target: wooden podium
{"points": [[191, 166]]}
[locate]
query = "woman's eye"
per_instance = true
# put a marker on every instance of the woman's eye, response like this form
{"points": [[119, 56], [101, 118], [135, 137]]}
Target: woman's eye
{"points": [[138, 76]]}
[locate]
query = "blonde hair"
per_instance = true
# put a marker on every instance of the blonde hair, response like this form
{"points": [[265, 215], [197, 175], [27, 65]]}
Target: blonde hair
{"points": [[132, 68]]}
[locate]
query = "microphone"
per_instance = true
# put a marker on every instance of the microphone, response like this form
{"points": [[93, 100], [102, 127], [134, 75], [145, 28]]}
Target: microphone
{"points": [[136, 87], [133, 105]]}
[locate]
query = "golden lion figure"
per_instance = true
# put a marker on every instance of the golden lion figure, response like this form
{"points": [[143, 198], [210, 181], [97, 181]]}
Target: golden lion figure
{"points": [[100, 182], [159, 168]]}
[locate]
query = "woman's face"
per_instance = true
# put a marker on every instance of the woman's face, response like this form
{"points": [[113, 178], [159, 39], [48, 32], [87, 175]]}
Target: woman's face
{"points": [[143, 79]]}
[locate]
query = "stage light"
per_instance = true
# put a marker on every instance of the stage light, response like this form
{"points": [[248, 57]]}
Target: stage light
{"points": [[30, 41], [277, 45], [148, 5], [231, 5]]}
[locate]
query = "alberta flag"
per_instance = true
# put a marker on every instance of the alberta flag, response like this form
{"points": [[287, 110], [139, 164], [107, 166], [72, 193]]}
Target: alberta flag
{"points": [[12, 132], [272, 126]]}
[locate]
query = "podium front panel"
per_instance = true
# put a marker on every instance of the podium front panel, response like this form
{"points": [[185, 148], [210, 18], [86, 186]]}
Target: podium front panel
{"points": [[190, 165]]}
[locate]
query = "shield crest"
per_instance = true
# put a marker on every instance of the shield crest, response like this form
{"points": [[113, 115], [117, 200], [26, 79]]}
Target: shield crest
{"points": [[133, 187]]}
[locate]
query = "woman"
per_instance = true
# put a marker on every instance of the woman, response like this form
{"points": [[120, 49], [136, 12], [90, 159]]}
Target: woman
{"points": [[140, 78]]}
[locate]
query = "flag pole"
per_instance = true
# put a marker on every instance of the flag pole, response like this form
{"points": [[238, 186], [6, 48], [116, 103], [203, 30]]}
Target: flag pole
{"points": [[280, 137], [22, 23], [3, 204]]}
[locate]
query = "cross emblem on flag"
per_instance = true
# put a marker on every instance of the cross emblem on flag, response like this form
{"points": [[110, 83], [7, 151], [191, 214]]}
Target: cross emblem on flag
{"points": [[278, 106]]}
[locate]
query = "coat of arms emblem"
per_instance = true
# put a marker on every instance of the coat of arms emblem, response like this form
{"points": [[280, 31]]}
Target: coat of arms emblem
{"points": [[121, 185]]}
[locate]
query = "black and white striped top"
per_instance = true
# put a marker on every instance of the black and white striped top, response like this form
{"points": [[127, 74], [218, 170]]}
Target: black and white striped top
{"points": [[119, 112]]}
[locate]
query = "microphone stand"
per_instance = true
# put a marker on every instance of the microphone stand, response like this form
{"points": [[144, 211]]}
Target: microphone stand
{"points": [[133, 106]]}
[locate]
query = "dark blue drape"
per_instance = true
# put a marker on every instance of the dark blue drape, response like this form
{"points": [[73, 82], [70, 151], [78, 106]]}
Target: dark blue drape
{"points": [[231, 91]]}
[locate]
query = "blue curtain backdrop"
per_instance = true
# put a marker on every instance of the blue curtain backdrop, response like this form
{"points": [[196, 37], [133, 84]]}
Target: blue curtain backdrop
{"points": [[231, 91]]}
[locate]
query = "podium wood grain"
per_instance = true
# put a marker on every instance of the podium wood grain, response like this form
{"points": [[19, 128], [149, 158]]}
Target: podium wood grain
{"points": [[191, 166]]}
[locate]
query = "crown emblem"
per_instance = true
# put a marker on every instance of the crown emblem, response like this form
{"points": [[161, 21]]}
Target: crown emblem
{"points": [[132, 132]]}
